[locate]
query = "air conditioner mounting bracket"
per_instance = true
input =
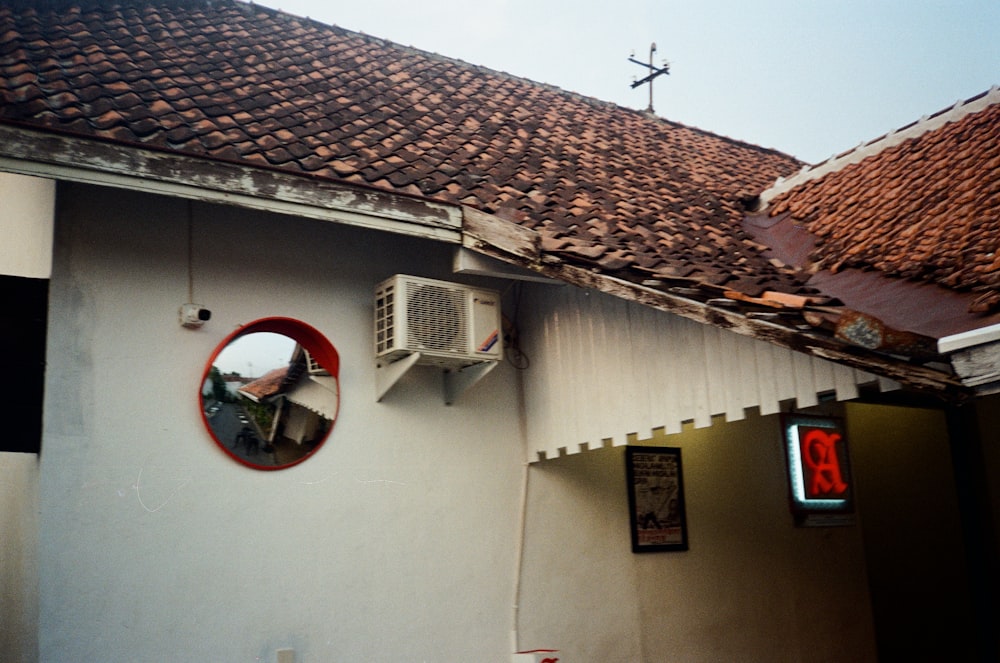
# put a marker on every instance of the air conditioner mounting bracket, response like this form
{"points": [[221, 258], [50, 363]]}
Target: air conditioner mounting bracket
{"points": [[456, 382], [387, 374]]}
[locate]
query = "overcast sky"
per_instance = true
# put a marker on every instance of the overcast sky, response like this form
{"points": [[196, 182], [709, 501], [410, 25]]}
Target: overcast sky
{"points": [[255, 354], [806, 77]]}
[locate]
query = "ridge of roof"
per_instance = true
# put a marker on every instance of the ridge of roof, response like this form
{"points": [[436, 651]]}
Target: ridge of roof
{"points": [[551, 87], [865, 149], [920, 209], [53, 5]]}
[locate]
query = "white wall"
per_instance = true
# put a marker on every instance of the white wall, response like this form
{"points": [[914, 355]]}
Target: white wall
{"points": [[26, 221], [649, 369], [18, 557], [395, 542], [26, 214], [398, 540]]}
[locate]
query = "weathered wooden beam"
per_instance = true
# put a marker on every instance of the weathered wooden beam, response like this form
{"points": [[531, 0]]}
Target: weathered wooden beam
{"points": [[912, 375], [488, 233], [137, 167], [524, 252]]}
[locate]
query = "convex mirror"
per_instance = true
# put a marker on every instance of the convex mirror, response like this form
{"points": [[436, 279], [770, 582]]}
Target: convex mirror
{"points": [[270, 393]]}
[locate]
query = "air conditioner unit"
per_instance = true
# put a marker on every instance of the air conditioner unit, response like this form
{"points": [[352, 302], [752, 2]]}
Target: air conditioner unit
{"points": [[449, 324]]}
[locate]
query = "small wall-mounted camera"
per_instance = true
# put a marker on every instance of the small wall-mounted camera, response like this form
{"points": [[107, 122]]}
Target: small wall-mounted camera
{"points": [[194, 315]]}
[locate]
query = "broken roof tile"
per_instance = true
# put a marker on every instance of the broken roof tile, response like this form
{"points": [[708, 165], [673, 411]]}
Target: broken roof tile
{"points": [[918, 209]]}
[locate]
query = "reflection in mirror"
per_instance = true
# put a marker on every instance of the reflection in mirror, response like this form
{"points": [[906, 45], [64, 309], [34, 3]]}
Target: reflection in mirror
{"points": [[268, 400]]}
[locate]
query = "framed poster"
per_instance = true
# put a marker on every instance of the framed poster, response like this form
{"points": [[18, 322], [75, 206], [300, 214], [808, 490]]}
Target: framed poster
{"points": [[656, 499]]}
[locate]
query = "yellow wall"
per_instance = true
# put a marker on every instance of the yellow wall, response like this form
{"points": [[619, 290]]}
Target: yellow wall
{"points": [[752, 587], [905, 485], [988, 410]]}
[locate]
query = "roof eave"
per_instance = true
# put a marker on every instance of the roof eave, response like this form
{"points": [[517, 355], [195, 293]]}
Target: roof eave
{"points": [[975, 357], [969, 339], [519, 246], [77, 159]]}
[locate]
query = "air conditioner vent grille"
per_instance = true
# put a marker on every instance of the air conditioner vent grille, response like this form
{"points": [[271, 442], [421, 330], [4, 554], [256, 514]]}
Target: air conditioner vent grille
{"points": [[437, 318], [384, 324]]}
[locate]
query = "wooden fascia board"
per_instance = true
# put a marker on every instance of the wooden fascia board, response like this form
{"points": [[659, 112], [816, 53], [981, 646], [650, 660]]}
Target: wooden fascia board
{"points": [[979, 367], [61, 157], [493, 236], [911, 375], [520, 246]]}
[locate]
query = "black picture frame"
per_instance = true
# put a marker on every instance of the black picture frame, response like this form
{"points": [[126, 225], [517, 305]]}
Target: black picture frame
{"points": [[657, 512]]}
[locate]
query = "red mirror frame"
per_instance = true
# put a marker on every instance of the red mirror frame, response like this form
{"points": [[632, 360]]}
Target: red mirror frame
{"points": [[321, 350]]}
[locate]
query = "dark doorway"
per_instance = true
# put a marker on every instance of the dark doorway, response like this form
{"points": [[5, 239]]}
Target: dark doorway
{"points": [[911, 521], [22, 338]]}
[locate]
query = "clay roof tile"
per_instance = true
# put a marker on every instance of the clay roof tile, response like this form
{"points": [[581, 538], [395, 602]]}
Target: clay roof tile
{"points": [[914, 209], [271, 89]]}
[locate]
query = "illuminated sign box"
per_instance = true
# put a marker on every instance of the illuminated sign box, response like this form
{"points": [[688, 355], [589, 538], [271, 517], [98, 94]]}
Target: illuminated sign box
{"points": [[819, 471]]}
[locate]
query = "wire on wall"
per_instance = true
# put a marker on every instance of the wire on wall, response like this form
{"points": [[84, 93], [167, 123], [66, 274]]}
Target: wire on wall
{"points": [[511, 339], [190, 250]]}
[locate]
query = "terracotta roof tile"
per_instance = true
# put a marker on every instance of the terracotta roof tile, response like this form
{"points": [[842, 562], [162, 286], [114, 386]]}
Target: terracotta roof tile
{"points": [[926, 209], [267, 385], [224, 79]]}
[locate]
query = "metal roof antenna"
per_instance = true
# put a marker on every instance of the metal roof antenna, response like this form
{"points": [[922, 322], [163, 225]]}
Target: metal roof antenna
{"points": [[654, 72]]}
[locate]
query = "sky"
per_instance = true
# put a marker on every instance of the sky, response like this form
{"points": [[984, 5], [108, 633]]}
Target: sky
{"points": [[255, 354], [809, 78]]}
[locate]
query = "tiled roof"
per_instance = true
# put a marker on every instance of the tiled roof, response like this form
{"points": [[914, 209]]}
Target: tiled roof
{"points": [[926, 209], [267, 385], [604, 185]]}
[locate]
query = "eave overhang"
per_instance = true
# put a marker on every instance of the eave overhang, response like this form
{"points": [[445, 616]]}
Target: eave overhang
{"points": [[52, 155], [72, 158], [975, 356], [519, 246]]}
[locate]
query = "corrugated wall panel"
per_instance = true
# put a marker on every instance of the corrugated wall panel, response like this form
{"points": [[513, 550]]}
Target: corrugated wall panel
{"points": [[805, 392], [784, 371], [732, 407], [845, 382], [747, 356], [715, 371], [822, 375], [646, 371], [767, 393], [603, 368]]}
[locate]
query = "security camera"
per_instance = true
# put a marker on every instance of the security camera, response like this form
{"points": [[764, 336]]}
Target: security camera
{"points": [[194, 315]]}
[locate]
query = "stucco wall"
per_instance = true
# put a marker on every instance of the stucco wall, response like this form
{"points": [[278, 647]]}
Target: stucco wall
{"points": [[18, 557], [26, 221], [395, 542], [398, 541], [26, 208], [751, 587]]}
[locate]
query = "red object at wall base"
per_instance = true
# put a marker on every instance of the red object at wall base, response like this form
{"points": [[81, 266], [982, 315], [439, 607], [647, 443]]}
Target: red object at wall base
{"points": [[538, 656]]}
